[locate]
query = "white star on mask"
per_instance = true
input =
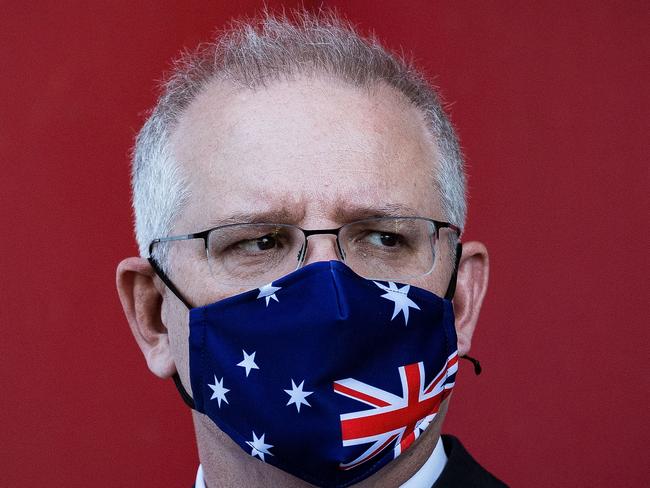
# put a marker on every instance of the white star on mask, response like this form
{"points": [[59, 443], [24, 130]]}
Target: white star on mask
{"points": [[400, 298], [248, 362], [219, 392], [268, 292], [259, 448], [297, 395]]}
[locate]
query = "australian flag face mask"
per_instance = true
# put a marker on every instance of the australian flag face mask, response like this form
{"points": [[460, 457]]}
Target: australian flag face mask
{"points": [[322, 373]]}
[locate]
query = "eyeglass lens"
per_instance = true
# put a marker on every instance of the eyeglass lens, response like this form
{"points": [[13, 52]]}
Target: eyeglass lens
{"points": [[391, 249]]}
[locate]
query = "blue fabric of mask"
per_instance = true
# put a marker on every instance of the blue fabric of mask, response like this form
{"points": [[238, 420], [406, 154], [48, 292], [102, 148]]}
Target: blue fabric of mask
{"points": [[322, 373]]}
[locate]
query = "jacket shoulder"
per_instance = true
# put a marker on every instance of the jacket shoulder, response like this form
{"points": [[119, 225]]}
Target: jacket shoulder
{"points": [[462, 469]]}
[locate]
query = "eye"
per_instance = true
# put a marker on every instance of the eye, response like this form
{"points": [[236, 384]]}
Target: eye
{"points": [[383, 239], [264, 243]]}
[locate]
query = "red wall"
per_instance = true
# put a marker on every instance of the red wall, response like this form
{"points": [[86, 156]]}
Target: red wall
{"points": [[551, 102]]}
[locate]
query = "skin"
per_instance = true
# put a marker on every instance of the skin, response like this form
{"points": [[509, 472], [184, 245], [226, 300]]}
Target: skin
{"points": [[314, 152]]}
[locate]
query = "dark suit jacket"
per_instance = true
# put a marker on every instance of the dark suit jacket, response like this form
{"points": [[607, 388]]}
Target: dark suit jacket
{"points": [[461, 470]]}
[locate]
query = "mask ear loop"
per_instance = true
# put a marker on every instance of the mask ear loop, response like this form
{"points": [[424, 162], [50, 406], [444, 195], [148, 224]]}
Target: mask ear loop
{"points": [[449, 295], [477, 365], [189, 401], [165, 279]]}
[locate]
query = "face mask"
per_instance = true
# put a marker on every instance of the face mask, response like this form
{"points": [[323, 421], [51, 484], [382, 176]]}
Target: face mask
{"points": [[322, 373]]}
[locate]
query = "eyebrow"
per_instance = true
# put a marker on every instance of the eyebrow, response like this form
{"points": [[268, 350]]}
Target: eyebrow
{"points": [[281, 215], [344, 213]]}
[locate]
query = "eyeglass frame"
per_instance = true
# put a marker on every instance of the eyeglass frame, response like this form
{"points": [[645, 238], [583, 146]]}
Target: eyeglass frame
{"points": [[437, 225]]}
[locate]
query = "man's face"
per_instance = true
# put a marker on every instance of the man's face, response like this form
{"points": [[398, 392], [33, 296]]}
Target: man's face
{"points": [[316, 153]]}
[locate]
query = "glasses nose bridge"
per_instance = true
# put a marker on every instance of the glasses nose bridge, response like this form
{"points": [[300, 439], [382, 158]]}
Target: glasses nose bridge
{"points": [[316, 232]]}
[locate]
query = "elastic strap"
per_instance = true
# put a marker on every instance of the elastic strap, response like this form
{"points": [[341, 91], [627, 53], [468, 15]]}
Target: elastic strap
{"points": [[189, 401], [165, 279], [451, 289], [475, 362]]}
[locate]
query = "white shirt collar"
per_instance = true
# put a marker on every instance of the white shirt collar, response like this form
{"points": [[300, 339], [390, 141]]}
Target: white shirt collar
{"points": [[200, 482], [430, 470], [425, 477]]}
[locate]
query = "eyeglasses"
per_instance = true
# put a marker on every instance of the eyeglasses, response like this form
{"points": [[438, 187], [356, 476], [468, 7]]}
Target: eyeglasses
{"points": [[384, 248]]}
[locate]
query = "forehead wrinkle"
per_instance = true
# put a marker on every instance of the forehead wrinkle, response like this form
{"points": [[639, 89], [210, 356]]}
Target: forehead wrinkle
{"points": [[345, 156], [347, 213], [258, 202]]}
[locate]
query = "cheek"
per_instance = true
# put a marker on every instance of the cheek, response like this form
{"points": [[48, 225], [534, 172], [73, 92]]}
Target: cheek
{"points": [[175, 318], [212, 291], [432, 283], [438, 280], [191, 273]]}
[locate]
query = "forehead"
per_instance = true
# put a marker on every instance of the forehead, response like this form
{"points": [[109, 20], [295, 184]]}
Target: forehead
{"points": [[312, 151]]}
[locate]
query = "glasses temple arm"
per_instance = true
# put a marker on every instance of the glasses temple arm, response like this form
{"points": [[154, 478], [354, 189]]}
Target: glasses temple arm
{"points": [[165, 279], [451, 289]]}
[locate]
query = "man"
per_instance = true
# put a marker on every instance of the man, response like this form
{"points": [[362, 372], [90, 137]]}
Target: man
{"points": [[301, 191]]}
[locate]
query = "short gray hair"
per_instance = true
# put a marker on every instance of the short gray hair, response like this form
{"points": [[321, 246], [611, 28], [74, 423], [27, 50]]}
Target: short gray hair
{"points": [[253, 54]]}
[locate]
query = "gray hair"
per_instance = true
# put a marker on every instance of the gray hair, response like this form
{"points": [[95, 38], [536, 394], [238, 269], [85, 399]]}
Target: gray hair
{"points": [[253, 54]]}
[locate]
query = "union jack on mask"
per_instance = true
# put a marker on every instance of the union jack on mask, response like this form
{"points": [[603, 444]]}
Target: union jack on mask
{"points": [[322, 373]]}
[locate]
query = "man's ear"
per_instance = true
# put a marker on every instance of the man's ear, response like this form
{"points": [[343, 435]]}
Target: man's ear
{"points": [[473, 271], [142, 302]]}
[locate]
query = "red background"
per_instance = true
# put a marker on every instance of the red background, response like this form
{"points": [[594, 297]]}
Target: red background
{"points": [[551, 102]]}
